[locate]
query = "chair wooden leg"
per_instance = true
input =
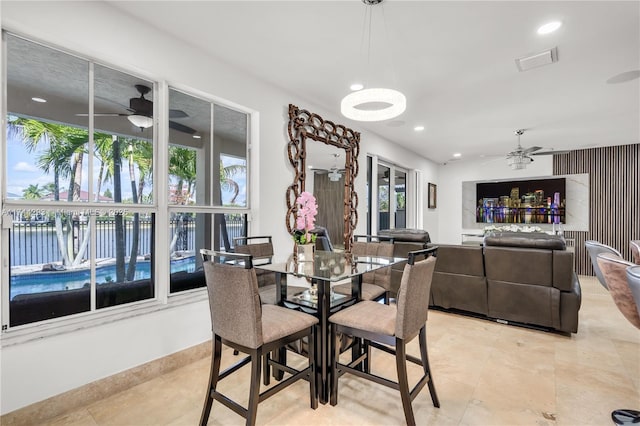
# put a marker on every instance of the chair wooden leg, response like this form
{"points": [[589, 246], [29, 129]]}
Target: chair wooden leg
{"points": [[403, 382], [266, 378], [254, 394], [313, 390], [366, 364], [425, 365], [216, 354], [334, 350]]}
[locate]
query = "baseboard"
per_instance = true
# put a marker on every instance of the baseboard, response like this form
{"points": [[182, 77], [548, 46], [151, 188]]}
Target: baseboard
{"points": [[69, 401]]}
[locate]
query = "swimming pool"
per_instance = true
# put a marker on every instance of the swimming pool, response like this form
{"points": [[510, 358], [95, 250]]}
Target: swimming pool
{"points": [[38, 282]]}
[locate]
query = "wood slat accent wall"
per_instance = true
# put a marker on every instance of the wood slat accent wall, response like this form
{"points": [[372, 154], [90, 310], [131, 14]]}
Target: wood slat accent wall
{"points": [[330, 198], [614, 197]]}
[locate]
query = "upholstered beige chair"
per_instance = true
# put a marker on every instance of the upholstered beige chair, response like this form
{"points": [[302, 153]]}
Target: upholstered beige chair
{"points": [[635, 251], [261, 248], [387, 326], [375, 284], [240, 321], [594, 248]]}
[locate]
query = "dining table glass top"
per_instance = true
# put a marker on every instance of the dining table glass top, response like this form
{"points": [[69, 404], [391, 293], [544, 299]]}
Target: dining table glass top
{"points": [[331, 266]]}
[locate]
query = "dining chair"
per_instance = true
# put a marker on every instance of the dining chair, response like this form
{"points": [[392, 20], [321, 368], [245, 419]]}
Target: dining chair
{"points": [[595, 248], [635, 251], [376, 285], [261, 248], [623, 281], [240, 321], [386, 327]]}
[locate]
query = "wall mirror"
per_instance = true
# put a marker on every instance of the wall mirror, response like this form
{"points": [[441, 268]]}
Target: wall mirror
{"points": [[324, 156]]}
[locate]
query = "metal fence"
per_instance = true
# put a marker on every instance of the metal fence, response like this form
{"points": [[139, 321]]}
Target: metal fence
{"points": [[38, 242]]}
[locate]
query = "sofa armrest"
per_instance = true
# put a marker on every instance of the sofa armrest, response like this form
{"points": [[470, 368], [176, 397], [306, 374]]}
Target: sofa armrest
{"points": [[563, 274]]}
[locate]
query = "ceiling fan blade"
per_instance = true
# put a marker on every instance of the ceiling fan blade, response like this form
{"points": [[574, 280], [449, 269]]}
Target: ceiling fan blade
{"points": [[102, 114], [553, 152], [177, 113], [115, 103], [181, 127], [531, 149]]}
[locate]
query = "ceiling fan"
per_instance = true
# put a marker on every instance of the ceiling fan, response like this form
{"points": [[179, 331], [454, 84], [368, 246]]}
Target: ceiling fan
{"points": [[333, 173], [520, 157], [141, 112]]}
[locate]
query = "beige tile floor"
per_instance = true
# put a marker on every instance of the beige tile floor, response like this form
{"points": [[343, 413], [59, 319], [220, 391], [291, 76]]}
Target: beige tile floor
{"points": [[485, 374]]}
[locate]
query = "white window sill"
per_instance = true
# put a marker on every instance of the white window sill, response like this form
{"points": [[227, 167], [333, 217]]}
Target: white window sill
{"points": [[68, 324]]}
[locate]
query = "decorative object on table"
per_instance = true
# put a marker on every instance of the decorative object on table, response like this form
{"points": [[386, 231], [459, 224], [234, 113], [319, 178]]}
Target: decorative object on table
{"points": [[304, 239], [433, 190], [303, 128], [512, 228]]}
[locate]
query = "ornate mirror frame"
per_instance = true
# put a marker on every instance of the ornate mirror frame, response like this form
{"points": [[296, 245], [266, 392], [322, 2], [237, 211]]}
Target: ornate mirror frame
{"points": [[303, 126]]}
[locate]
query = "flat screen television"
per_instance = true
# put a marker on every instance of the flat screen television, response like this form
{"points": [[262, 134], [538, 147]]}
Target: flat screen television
{"points": [[522, 201]]}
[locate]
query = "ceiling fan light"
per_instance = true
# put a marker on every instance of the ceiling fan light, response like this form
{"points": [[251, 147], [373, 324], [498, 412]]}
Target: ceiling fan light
{"points": [[334, 176], [393, 104], [141, 121]]}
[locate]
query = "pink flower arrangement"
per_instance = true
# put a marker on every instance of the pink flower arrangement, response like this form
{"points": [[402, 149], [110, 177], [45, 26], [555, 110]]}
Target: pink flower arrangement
{"points": [[306, 218]]}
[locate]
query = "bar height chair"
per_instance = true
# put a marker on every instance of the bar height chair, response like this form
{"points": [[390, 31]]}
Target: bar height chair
{"points": [[240, 321], [376, 285], [386, 326]]}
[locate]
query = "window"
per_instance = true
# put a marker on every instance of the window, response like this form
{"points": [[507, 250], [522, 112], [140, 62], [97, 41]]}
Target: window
{"points": [[207, 168], [81, 185], [386, 196], [68, 255]]}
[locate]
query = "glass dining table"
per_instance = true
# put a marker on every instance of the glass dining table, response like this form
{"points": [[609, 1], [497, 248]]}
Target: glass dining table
{"points": [[322, 272]]}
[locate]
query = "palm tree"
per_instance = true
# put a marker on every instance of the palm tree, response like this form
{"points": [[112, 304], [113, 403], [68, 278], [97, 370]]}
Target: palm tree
{"points": [[226, 181], [33, 192], [182, 165]]}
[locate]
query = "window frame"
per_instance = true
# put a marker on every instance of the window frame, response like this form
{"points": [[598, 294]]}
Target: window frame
{"points": [[160, 207]]}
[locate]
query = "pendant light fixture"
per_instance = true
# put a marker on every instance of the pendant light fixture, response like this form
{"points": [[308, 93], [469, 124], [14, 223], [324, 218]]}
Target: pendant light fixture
{"points": [[372, 103]]}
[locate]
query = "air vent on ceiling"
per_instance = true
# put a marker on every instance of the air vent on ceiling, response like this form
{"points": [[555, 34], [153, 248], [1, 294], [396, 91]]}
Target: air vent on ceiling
{"points": [[537, 59]]}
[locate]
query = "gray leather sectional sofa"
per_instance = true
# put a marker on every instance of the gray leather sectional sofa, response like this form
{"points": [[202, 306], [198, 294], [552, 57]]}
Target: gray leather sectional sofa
{"points": [[522, 278]]}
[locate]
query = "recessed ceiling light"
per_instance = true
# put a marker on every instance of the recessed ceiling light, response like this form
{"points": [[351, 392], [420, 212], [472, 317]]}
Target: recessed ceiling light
{"points": [[457, 154], [356, 86], [418, 128], [197, 137], [39, 100], [549, 27]]}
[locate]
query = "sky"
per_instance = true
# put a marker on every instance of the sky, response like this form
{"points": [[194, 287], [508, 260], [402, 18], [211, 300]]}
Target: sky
{"points": [[22, 171]]}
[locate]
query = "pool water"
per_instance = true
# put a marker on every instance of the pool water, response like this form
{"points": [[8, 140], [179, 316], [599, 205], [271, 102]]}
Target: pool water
{"points": [[38, 282]]}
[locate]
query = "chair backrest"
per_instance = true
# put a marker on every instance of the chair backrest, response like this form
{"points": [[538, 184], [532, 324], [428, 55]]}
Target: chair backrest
{"points": [[234, 300], [382, 276], [323, 241], [261, 248], [413, 297], [614, 271], [595, 248], [635, 251], [633, 278]]}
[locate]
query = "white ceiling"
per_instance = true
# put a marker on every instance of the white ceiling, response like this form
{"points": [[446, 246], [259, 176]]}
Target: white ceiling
{"points": [[455, 62]]}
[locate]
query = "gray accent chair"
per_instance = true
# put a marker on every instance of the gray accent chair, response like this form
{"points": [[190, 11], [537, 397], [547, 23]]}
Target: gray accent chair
{"points": [[623, 282], [595, 248], [240, 321], [635, 251], [376, 284], [394, 326], [404, 240]]}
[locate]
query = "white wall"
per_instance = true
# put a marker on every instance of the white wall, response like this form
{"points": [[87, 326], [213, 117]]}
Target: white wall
{"points": [[39, 369], [453, 174]]}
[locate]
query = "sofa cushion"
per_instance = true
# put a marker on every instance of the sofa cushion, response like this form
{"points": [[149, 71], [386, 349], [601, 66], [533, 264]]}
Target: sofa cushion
{"points": [[406, 234], [525, 240], [465, 260], [519, 265]]}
